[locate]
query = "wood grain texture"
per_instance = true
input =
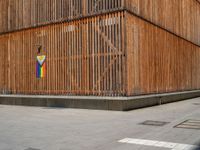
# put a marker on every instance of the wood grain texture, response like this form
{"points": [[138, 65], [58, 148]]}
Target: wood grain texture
{"points": [[20, 14], [112, 54], [84, 57], [181, 17], [159, 62]]}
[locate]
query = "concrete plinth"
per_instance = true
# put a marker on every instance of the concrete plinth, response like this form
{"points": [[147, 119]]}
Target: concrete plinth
{"points": [[94, 102]]}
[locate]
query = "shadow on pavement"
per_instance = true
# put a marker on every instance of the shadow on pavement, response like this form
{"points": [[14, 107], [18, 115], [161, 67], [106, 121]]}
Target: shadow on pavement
{"points": [[198, 146]]}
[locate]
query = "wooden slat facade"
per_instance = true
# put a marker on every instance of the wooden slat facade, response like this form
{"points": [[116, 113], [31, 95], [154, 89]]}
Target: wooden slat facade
{"points": [[20, 14], [84, 57], [100, 47], [158, 61], [181, 17]]}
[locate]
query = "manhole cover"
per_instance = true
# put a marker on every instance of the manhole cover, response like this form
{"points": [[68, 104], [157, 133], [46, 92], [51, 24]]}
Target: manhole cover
{"points": [[154, 123], [32, 148], [189, 124]]}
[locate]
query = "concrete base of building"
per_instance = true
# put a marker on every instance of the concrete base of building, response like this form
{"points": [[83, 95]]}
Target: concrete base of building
{"points": [[95, 102]]}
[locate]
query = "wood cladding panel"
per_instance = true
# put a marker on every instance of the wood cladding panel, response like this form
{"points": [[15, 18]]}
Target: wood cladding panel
{"points": [[4, 63], [158, 61], [84, 57], [107, 55], [181, 17], [4, 16], [20, 14]]}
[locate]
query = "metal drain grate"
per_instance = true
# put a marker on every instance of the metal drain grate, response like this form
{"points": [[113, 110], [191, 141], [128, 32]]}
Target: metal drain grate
{"points": [[154, 123], [189, 124], [196, 103]]}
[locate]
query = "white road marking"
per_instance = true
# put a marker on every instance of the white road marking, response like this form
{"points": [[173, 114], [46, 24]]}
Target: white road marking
{"points": [[170, 145]]}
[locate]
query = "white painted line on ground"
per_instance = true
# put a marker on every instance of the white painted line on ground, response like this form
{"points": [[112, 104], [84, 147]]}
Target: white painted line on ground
{"points": [[170, 145]]}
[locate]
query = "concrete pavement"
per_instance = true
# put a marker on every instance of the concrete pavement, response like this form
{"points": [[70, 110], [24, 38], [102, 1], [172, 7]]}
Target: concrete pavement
{"points": [[38, 128]]}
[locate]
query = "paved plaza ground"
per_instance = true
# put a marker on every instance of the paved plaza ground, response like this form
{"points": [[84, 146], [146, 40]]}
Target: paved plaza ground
{"points": [[38, 128]]}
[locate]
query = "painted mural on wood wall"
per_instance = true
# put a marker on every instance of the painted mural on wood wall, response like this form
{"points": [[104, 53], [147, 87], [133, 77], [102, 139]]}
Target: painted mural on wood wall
{"points": [[40, 64]]}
